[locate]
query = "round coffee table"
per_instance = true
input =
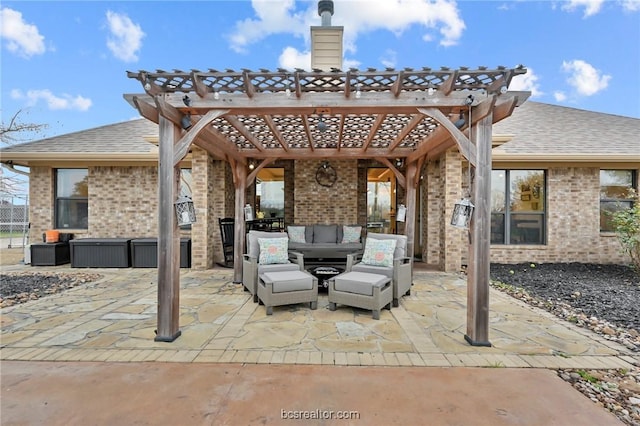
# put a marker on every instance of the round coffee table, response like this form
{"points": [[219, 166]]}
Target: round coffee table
{"points": [[323, 273]]}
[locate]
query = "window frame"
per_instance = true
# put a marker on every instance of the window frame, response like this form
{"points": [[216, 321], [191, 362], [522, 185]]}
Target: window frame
{"points": [[630, 201], [507, 213], [66, 199]]}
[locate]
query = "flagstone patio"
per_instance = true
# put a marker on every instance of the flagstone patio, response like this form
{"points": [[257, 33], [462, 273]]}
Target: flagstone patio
{"points": [[114, 318]]}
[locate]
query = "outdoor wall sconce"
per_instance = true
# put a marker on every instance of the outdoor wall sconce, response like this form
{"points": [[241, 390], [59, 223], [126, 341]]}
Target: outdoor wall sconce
{"points": [[185, 121], [399, 162], [460, 121], [186, 100], [252, 165], [185, 211], [462, 213]]}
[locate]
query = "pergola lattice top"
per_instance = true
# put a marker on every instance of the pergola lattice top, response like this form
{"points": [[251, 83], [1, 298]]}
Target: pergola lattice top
{"points": [[295, 114]]}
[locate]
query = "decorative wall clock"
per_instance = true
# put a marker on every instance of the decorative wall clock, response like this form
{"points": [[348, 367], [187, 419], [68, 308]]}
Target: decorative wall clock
{"points": [[326, 175]]}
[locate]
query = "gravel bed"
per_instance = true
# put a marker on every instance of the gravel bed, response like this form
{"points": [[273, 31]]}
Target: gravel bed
{"points": [[602, 298], [20, 287]]}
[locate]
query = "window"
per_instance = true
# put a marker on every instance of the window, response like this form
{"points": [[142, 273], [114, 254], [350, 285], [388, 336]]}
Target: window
{"points": [[270, 192], [616, 192], [72, 199], [381, 199], [518, 207]]}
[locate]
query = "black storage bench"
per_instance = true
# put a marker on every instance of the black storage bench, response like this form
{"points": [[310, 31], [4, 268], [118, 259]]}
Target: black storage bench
{"points": [[144, 253], [100, 253], [49, 254]]}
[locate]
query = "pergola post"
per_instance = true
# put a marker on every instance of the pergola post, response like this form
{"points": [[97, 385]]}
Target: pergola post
{"points": [[168, 236], [410, 218], [479, 256], [240, 184]]}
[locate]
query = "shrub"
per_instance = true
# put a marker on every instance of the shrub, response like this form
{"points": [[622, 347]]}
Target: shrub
{"points": [[627, 227]]}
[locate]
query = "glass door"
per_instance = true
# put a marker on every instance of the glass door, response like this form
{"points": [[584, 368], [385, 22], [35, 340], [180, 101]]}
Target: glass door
{"points": [[381, 200]]}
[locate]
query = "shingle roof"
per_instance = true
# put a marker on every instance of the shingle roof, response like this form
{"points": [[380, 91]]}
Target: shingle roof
{"points": [[545, 129], [113, 140], [537, 128]]}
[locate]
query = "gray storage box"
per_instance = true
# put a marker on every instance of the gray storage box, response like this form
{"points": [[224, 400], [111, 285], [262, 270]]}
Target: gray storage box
{"points": [[144, 253], [49, 254], [100, 253]]}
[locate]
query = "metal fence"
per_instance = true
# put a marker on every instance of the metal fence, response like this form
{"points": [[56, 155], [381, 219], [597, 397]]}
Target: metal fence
{"points": [[14, 220]]}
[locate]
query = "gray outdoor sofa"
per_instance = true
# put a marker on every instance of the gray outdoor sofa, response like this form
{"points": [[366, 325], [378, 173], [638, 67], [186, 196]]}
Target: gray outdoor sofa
{"points": [[325, 241]]}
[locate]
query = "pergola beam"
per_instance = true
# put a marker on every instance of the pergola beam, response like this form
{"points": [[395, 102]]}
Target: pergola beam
{"points": [[397, 173], [182, 147], [464, 145], [372, 132], [276, 132]]}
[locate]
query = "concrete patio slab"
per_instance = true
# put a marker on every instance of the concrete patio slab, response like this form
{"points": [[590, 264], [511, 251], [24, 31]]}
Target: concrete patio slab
{"points": [[160, 393]]}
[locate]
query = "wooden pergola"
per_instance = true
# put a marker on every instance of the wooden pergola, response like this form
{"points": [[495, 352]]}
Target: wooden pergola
{"points": [[263, 116]]}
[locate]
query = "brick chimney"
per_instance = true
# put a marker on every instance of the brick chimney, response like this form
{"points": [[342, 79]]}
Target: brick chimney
{"points": [[326, 40]]}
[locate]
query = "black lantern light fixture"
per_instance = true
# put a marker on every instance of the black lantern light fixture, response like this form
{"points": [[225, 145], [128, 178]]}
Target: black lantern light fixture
{"points": [[185, 211], [462, 212]]}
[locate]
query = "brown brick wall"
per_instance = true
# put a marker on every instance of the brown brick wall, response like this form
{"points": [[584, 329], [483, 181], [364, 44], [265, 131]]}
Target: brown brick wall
{"points": [[318, 204], [433, 193], [40, 202], [123, 202], [209, 201]]}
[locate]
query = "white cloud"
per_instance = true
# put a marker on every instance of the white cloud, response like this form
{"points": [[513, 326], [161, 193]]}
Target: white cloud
{"points": [[54, 102], [272, 17], [291, 59], [591, 7], [20, 37], [584, 78], [389, 58], [357, 17], [125, 37], [350, 63], [631, 5], [559, 96], [526, 82]]}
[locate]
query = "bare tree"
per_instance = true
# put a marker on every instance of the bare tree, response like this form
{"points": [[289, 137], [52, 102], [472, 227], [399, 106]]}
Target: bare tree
{"points": [[12, 133]]}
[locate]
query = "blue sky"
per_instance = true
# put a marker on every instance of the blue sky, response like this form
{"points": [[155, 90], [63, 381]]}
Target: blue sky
{"points": [[64, 63]]}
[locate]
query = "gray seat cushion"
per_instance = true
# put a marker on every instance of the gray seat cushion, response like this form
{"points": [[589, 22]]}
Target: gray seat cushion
{"points": [[284, 281], [278, 267], [387, 271], [360, 282]]}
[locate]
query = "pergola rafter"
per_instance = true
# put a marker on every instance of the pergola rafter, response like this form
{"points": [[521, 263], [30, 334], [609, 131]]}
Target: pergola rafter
{"points": [[277, 112], [267, 115]]}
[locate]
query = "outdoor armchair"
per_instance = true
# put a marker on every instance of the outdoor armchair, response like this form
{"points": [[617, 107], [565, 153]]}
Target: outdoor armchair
{"points": [[382, 256], [253, 265]]}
